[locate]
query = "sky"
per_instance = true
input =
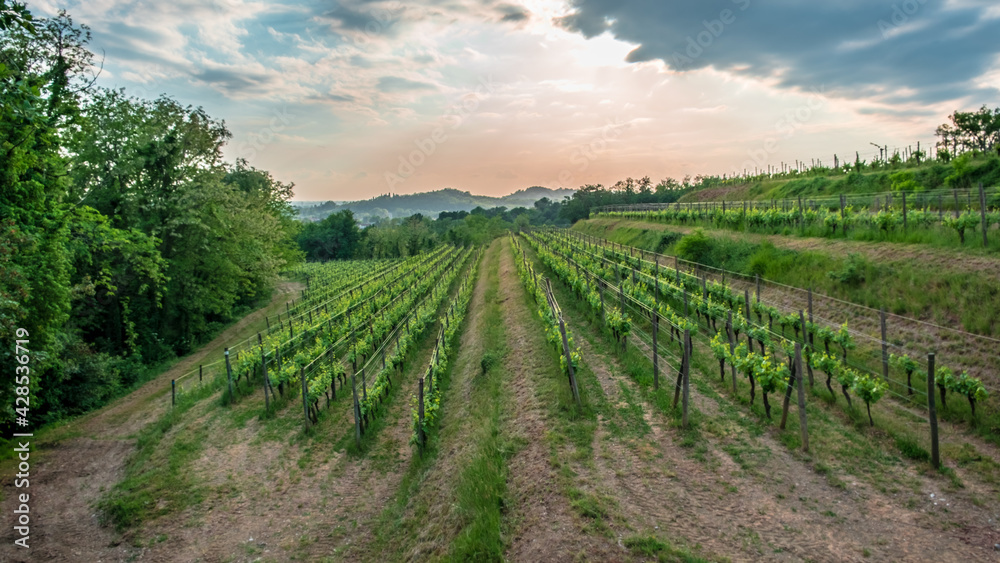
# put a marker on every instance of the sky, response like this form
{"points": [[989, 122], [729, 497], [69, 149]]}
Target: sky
{"points": [[358, 98]]}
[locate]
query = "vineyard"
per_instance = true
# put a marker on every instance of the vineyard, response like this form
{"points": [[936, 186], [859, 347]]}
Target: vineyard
{"points": [[935, 217], [557, 396]]}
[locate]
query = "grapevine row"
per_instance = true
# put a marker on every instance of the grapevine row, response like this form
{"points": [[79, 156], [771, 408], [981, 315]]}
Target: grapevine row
{"points": [[866, 386], [441, 356], [761, 368]]}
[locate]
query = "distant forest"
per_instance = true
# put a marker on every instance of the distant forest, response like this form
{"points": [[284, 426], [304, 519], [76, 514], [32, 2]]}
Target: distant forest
{"points": [[340, 235]]}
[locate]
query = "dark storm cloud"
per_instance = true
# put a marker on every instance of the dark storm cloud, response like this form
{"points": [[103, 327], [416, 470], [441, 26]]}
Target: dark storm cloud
{"points": [[902, 51]]}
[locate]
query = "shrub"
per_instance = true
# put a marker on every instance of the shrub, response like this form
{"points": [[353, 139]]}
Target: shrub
{"points": [[853, 272]]}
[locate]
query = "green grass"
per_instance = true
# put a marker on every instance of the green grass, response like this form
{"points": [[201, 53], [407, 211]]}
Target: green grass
{"points": [[481, 488], [650, 546], [156, 478]]}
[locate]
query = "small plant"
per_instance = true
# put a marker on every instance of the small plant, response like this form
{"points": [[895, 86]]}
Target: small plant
{"points": [[870, 388], [967, 220], [853, 272], [944, 380], [489, 361], [972, 388], [906, 364]]}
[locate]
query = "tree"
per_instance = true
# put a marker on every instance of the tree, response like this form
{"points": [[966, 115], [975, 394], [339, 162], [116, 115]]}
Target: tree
{"points": [[971, 130]]}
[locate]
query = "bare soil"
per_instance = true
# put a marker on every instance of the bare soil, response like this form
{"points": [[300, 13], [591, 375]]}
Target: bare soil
{"points": [[548, 530], [81, 460]]}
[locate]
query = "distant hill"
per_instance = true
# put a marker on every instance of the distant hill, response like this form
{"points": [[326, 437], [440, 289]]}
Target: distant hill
{"points": [[427, 203]]}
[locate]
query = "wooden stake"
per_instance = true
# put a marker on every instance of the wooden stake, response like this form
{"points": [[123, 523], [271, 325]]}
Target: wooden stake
{"points": [[885, 346], [732, 346], [357, 411], [932, 413], [229, 374], [305, 394], [569, 362], [687, 371], [421, 437], [904, 211], [656, 355], [802, 398], [982, 210]]}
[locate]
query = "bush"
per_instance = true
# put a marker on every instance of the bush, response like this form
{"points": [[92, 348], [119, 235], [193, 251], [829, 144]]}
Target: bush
{"points": [[853, 272], [489, 361], [695, 247], [667, 240]]}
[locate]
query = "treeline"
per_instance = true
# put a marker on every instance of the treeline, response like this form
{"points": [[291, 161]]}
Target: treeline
{"points": [[125, 239], [339, 236]]}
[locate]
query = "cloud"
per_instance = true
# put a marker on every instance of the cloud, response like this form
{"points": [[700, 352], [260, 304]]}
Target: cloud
{"points": [[933, 49], [389, 84], [234, 82], [512, 13], [332, 97]]}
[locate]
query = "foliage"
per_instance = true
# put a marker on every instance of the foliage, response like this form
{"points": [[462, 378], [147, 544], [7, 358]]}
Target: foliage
{"points": [[694, 247], [125, 239], [853, 271]]}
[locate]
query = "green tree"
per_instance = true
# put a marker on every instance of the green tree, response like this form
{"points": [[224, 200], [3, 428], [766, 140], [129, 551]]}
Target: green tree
{"points": [[337, 237]]}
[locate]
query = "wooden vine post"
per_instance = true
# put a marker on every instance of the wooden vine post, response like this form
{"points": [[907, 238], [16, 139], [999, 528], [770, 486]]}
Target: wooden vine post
{"points": [[173, 392], [263, 369], [686, 373], [732, 347], [904, 211], [802, 398], [357, 411], [229, 374], [806, 338], [421, 437], [569, 362], [932, 413], [982, 210], [885, 346], [305, 394], [656, 325]]}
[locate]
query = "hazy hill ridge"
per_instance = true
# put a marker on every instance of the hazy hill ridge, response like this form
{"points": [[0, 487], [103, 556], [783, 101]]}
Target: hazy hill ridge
{"points": [[429, 203]]}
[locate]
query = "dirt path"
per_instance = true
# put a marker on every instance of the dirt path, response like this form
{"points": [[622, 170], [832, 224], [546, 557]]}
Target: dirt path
{"points": [[81, 460], [547, 528]]}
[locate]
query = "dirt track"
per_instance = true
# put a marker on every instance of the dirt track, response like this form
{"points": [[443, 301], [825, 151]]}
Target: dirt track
{"points": [[87, 456]]}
